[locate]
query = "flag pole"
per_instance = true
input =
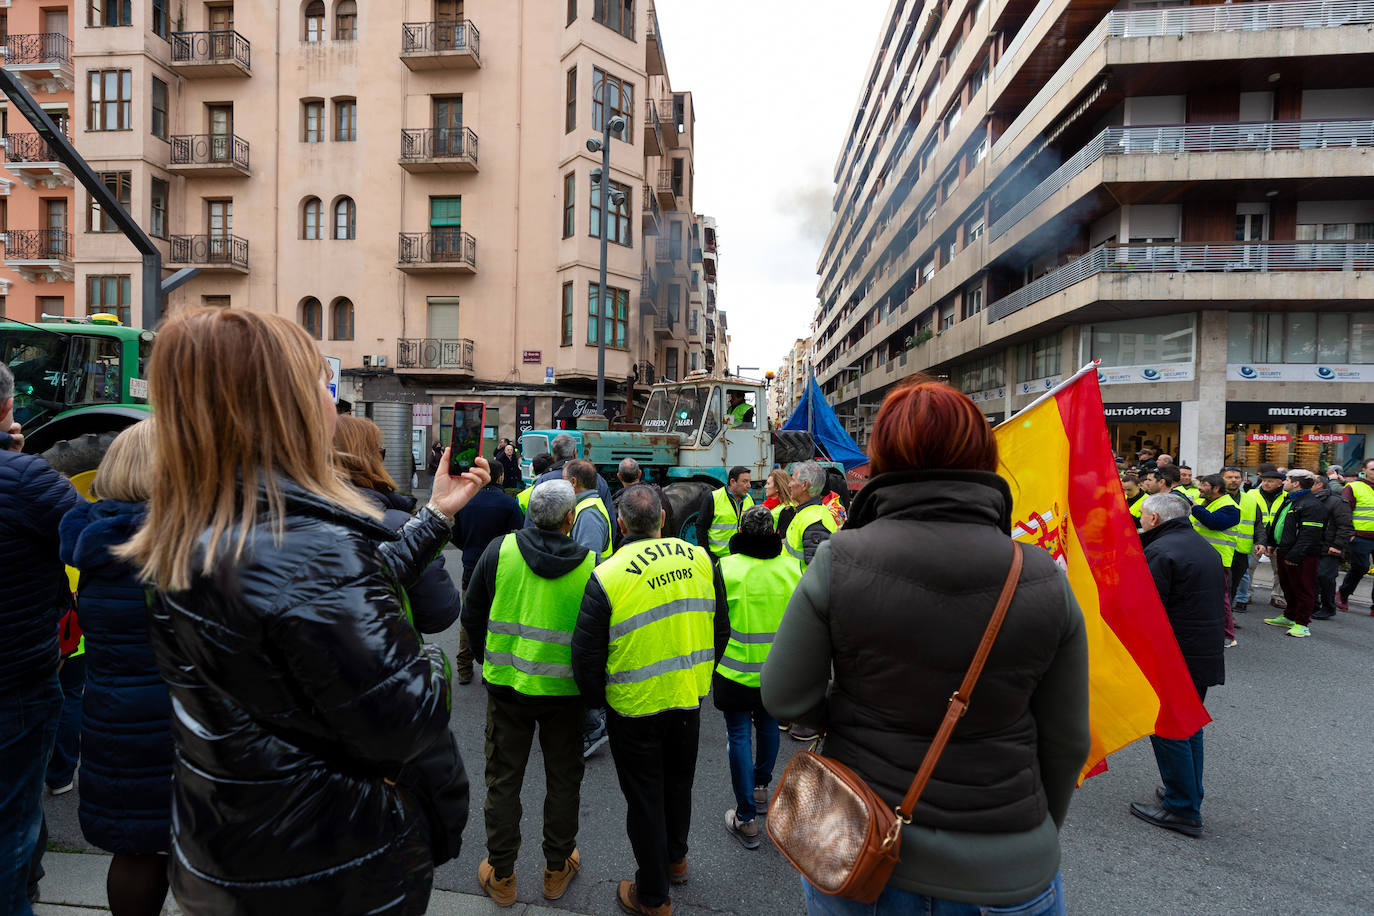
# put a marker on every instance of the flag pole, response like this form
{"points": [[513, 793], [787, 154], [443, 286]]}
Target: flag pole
{"points": [[1090, 367]]}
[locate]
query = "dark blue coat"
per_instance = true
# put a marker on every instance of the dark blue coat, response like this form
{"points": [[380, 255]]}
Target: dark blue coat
{"points": [[434, 600], [1192, 586], [490, 514], [126, 729], [33, 499]]}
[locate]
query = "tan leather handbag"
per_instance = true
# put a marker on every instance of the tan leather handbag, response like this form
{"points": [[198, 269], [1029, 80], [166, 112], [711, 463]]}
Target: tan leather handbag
{"points": [[832, 827]]}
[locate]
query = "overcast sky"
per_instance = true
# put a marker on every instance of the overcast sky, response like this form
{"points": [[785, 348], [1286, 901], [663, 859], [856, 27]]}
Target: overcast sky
{"points": [[775, 83]]}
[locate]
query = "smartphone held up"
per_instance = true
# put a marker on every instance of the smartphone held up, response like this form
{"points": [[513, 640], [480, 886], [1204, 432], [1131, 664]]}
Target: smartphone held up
{"points": [[469, 421]]}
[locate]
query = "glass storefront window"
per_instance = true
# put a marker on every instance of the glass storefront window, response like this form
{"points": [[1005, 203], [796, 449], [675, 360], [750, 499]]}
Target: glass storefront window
{"points": [[1362, 338], [1290, 445], [1300, 337], [1038, 359], [1143, 341], [1300, 343], [1333, 337]]}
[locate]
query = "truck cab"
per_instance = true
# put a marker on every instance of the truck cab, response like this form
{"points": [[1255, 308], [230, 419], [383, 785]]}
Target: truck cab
{"points": [[710, 441]]}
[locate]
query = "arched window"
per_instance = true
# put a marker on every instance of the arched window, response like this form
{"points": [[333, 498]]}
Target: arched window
{"points": [[341, 320], [314, 21], [312, 219], [345, 219], [346, 20], [312, 317]]}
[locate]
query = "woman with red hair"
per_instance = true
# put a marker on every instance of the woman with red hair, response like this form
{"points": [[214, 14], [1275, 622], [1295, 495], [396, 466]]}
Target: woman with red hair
{"points": [[897, 602]]}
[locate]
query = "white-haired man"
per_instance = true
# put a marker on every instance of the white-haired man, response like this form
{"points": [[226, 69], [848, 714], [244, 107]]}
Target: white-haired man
{"points": [[814, 523]]}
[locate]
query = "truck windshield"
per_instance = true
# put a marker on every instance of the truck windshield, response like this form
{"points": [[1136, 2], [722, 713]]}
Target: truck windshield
{"points": [[38, 362], [676, 410]]}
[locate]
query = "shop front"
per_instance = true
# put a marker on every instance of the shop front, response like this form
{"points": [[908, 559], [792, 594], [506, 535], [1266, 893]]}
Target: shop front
{"points": [[1312, 436], [1151, 424]]}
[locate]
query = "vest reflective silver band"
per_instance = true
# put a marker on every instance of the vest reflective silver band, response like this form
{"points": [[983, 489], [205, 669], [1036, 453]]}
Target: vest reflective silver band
{"points": [[676, 663], [663, 612], [742, 667], [524, 665]]}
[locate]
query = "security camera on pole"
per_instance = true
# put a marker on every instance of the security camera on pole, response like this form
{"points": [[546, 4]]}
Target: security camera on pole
{"points": [[610, 202]]}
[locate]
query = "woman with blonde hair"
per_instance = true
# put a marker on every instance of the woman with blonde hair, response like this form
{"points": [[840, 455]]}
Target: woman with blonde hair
{"points": [[434, 599], [777, 490], [126, 728], [303, 697]]}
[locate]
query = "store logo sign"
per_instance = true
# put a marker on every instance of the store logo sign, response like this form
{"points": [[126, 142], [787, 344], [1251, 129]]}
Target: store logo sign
{"points": [[1268, 437], [1151, 375], [1248, 372], [1307, 411], [1325, 373]]}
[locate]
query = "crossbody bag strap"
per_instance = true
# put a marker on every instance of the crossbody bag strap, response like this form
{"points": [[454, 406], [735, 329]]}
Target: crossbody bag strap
{"points": [[958, 701]]}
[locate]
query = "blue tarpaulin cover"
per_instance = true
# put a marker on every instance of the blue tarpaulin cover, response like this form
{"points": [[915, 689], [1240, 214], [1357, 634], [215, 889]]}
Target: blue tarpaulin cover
{"points": [[825, 428]]}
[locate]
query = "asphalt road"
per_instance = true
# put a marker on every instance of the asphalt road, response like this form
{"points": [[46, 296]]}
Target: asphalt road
{"points": [[1289, 815]]}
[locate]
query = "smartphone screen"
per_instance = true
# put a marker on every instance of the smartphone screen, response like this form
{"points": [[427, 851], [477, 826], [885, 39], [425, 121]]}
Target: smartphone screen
{"points": [[469, 417]]}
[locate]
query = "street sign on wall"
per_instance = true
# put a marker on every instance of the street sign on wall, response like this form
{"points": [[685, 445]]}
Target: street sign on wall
{"points": [[532, 357]]}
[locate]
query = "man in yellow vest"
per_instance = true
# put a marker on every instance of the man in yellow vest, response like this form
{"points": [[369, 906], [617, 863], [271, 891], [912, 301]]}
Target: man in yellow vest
{"points": [[759, 581], [591, 516], [519, 612], [1186, 485], [1269, 495], [814, 523], [654, 623], [540, 464], [1135, 497], [719, 512], [1359, 495], [738, 413], [1216, 519], [1246, 534]]}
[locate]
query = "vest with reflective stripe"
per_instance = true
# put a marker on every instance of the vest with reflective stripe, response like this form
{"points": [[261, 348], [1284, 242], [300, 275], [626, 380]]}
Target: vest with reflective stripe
{"points": [[757, 592], [595, 501], [1136, 505], [804, 519], [1191, 492], [529, 633], [1364, 505], [1223, 541], [1251, 509], [523, 497], [1270, 509], [735, 415], [726, 520], [662, 641]]}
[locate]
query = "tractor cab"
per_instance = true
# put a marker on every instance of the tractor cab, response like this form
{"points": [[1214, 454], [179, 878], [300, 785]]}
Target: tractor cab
{"points": [[720, 422]]}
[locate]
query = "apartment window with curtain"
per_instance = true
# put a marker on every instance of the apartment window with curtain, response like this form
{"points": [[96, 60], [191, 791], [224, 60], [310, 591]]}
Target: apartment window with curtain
{"points": [[1038, 359], [973, 301], [345, 219], [346, 24], [159, 119], [618, 229], [110, 106], [157, 222], [345, 119], [566, 322], [616, 14], [314, 21], [120, 185], [617, 315], [570, 116], [569, 206], [109, 293], [612, 96], [107, 13], [312, 117], [160, 19]]}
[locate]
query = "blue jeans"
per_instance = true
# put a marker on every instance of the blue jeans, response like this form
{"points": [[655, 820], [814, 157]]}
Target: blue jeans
{"points": [[67, 750], [1243, 590], [1180, 766], [892, 902], [747, 769], [28, 726]]}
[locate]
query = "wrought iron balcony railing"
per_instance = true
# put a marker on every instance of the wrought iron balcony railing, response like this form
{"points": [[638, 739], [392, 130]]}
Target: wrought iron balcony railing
{"points": [[438, 143], [1219, 257], [441, 35], [28, 148], [210, 149], [38, 48], [434, 353], [645, 372], [440, 246], [211, 47], [38, 245], [668, 182], [209, 250], [652, 205]]}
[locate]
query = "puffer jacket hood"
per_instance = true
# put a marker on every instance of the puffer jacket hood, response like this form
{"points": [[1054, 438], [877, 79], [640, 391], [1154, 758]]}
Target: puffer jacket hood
{"points": [[549, 554], [91, 530]]}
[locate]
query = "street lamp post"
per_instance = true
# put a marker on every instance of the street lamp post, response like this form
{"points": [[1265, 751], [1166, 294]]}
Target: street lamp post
{"points": [[610, 202]]}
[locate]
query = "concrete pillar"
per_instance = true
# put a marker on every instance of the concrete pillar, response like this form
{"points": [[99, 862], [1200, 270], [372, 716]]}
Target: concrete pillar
{"points": [[1210, 406]]}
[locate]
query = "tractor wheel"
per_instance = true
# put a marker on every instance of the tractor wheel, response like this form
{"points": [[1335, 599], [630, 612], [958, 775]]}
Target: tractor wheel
{"points": [[79, 458], [683, 500]]}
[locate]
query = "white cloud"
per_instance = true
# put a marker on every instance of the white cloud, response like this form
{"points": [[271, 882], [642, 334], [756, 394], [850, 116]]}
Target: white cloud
{"points": [[775, 83]]}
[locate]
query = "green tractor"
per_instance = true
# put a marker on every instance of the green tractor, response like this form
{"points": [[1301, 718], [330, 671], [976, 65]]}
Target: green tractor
{"points": [[77, 384]]}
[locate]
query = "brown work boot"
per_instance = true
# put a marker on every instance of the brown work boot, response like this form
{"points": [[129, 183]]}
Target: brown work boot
{"points": [[628, 898], [556, 882], [677, 872], [500, 890]]}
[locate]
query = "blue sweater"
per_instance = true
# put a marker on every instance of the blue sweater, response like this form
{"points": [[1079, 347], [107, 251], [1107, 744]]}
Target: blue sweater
{"points": [[126, 732]]}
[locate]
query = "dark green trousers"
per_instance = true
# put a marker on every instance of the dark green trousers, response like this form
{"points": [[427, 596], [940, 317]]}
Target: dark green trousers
{"points": [[510, 735]]}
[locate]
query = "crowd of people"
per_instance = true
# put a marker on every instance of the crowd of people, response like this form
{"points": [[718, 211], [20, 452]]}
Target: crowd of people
{"points": [[264, 728]]}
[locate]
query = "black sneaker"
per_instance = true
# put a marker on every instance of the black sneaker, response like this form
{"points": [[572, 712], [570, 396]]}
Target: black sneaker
{"points": [[1325, 614]]}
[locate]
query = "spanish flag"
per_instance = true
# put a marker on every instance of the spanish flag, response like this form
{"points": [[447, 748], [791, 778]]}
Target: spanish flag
{"points": [[1067, 499]]}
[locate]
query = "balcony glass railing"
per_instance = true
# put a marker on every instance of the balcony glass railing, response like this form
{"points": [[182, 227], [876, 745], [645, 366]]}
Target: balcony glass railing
{"points": [[1261, 136], [1218, 257]]}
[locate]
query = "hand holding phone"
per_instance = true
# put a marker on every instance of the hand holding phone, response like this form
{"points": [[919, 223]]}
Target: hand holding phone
{"points": [[466, 445]]}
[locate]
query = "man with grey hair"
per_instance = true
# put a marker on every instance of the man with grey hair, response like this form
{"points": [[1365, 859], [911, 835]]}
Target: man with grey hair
{"points": [[33, 499], [519, 613], [564, 449], [813, 523], [1192, 585], [654, 623]]}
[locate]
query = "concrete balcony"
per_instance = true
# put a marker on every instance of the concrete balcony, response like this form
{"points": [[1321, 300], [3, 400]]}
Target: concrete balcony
{"points": [[213, 54], [654, 60], [438, 149], [211, 253], [451, 356], [651, 217], [648, 294], [653, 130], [33, 161], [40, 254], [442, 251], [41, 60], [667, 190], [446, 44], [671, 139], [663, 325], [209, 156]]}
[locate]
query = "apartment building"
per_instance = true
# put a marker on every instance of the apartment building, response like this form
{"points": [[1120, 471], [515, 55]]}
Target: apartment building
{"points": [[412, 183], [789, 383], [1183, 192], [35, 189]]}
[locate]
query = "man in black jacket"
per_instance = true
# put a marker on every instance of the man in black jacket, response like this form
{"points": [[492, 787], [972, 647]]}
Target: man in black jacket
{"points": [[1192, 585], [490, 515], [1340, 531], [1299, 533]]}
